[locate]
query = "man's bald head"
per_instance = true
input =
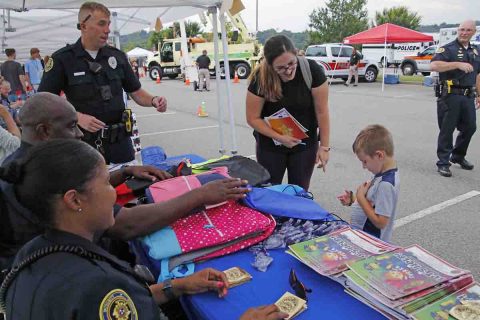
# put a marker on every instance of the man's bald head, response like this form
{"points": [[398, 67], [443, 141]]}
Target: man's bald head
{"points": [[47, 116], [466, 30]]}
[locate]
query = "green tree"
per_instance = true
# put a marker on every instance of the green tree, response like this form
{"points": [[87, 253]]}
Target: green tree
{"points": [[192, 28], [339, 19], [401, 16], [154, 39]]}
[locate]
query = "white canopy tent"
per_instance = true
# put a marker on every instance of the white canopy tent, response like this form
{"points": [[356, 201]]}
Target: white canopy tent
{"points": [[139, 52], [51, 24]]}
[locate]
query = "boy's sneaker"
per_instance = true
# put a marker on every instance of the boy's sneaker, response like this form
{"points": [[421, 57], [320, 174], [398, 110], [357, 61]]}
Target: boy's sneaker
{"points": [[345, 84], [444, 171], [355, 85]]}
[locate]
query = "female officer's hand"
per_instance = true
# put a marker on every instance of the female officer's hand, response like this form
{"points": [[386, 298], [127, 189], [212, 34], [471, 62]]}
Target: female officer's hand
{"points": [[270, 312], [205, 280]]}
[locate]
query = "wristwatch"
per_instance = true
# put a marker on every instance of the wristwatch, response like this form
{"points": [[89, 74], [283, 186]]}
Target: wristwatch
{"points": [[153, 98], [124, 175], [168, 289]]}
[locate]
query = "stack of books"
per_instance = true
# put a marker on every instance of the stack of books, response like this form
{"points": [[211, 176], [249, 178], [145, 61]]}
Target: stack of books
{"points": [[286, 124], [401, 283], [330, 254]]}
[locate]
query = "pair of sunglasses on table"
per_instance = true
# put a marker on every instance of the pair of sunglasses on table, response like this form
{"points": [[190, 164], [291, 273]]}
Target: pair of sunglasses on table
{"points": [[299, 288]]}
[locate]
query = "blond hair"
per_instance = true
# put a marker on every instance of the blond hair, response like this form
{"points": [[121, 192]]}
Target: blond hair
{"points": [[373, 138], [88, 8]]}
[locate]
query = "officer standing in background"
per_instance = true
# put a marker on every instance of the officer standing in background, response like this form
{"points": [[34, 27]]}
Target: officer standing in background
{"points": [[92, 75], [458, 63], [203, 62]]}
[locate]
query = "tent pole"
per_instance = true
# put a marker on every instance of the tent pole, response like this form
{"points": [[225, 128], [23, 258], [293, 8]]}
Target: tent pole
{"points": [[216, 58], [385, 61], [116, 32], [226, 67]]}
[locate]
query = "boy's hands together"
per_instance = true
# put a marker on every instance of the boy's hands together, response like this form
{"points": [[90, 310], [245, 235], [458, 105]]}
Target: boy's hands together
{"points": [[362, 189]]}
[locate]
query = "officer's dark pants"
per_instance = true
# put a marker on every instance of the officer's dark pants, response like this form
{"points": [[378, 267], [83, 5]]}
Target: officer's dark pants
{"points": [[455, 111], [299, 164], [115, 153]]}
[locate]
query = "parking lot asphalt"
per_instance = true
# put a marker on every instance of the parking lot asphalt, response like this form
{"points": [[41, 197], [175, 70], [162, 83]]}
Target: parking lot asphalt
{"points": [[440, 214]]}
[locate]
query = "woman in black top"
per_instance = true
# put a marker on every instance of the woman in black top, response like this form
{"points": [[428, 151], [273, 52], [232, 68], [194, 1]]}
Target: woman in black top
{"points": [[67, 185], [278, 83]]}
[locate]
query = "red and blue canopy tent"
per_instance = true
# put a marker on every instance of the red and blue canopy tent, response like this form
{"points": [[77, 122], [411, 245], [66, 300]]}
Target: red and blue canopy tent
{"points": [[387, 33]]}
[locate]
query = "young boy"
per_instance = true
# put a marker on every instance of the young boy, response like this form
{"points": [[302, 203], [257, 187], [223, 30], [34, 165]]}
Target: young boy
{"points": [[374, 205]]}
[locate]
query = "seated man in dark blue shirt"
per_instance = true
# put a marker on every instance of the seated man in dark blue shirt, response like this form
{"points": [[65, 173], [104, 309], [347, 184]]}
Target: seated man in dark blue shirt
{"points": [[47, 116]]}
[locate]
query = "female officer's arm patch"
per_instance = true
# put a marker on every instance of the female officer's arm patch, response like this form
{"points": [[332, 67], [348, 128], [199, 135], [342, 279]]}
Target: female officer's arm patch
{"points": [[440, 50], [49, 65], [117, 305]]}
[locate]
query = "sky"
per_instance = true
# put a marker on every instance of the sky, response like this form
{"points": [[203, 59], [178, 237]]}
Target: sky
{"points": [[293, 15]]}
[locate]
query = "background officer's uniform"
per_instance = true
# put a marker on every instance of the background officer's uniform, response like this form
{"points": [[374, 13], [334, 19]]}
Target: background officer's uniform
{"points": [[203, 72], [97, 94], [457, 108], [67, 286]]}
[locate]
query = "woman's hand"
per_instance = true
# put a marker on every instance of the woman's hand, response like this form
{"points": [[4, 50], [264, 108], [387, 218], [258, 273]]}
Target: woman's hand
{"points": [[205, 280], [270, 312], [322, 158], [289, 141]]}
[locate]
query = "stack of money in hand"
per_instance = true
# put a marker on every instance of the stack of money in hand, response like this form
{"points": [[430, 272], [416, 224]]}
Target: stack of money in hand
{"points": [[468, 310], [237, 276], [291, 304]]}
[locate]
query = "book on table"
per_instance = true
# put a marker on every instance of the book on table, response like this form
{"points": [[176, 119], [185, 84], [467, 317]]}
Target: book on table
{"points": [[329, 254], [441, 308], [403, 307], [404, 272]]}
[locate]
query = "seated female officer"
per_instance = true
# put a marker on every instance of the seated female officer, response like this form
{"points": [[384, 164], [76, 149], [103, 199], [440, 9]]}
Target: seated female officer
{"points": [[63, 274]]}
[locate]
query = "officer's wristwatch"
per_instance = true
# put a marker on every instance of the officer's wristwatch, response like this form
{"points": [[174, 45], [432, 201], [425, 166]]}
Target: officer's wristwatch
{"points": [[168, 289]]}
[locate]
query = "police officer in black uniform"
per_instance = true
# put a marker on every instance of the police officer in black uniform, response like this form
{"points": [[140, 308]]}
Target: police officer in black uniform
{"points": [[63, 274], [458, 63], [92, 75]]}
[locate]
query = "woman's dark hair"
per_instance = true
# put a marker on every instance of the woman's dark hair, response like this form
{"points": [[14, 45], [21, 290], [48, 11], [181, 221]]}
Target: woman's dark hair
{"points": [[269, 83], [48, 170]]}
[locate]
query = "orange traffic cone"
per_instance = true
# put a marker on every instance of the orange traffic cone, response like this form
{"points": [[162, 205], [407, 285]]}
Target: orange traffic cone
{"points": [[187, 82], [201, 111], [158, 79], [235, 78]]}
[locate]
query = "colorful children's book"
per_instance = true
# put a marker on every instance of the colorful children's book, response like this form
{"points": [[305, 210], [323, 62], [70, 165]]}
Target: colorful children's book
{"points": [[407, 304], [286, 124], [329, 254], [404, 272], [441, 308], [287, 127]]}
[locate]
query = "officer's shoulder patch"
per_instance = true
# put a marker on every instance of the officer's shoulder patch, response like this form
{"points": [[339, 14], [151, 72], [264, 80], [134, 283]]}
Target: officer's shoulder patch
{"points": [[49, 64], [117, 305], [68, 47], [113, 48], [440, 50]]}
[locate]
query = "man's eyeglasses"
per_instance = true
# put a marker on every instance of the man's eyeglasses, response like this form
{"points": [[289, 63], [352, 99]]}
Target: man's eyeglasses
{"points": [[284, 69], [299, 288]]}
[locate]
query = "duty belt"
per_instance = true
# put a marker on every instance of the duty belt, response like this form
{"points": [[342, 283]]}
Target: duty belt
{"points": [[110, 134], [468, 91]]}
